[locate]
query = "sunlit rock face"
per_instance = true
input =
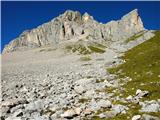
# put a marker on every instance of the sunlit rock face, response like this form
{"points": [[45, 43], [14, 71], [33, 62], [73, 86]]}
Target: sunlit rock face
{"points": [[86, 17], [71, 25], [132, 22]]}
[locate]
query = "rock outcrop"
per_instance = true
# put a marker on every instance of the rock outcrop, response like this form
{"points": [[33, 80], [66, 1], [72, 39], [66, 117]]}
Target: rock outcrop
{"points": [[71, 25]]}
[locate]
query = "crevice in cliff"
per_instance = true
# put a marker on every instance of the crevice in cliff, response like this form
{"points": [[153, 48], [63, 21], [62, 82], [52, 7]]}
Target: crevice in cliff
{"points": [[72, 31], [63, 30], [39, 42], [102, 34], [82, 32]]}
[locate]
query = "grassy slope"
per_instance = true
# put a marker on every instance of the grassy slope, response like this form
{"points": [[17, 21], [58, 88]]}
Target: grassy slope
{"points": [[143, 66]]}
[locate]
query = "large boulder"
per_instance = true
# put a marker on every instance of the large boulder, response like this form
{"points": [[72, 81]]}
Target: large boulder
{"points": [[150, 106]]}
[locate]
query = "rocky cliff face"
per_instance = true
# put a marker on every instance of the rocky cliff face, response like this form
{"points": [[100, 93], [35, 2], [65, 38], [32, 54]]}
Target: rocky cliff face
{"points": [[71, 25]]}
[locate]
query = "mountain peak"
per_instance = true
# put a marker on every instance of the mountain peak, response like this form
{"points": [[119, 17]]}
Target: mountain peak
{"points": [[71, 15], [87, 17], [135, 11], [133, 20], [72, 25], [131, 14]]}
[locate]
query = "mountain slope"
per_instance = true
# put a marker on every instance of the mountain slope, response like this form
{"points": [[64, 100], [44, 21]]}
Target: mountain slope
{"points": [[142, 66], [42, 81]]}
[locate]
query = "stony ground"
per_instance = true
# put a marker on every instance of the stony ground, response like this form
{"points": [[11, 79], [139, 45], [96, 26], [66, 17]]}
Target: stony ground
{"points": [[46, 84]]}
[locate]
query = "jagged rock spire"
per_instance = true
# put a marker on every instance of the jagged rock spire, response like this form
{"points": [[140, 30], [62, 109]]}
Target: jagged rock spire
{"points": [[133, 19]]}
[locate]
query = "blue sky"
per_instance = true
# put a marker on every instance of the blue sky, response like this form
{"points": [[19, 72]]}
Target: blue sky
{"points": [[20, 16]]}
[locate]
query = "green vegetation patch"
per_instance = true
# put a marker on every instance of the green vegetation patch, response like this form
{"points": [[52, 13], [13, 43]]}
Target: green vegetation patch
{"points": [[83, 100], [96, 49], [81, 49], [47, 111], [119, 102], [88, 77], [100, 80], [85, 58], [100, 45], [134, 37], [143, 67], [78, 48]]}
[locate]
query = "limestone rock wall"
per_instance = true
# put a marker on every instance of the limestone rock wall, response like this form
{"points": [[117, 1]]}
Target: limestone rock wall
{"points": [[72, 24]]}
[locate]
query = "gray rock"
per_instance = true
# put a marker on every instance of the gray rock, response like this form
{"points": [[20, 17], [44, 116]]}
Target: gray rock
{"points": [[129, 98], [17, 113], [13, 118], [85, 81], [102, 115], [119, 109], [104, 103], [53, 107], [41, 118], [94, 106], [140, 93], [63, 95], [136, 117], [69, 114], [33, 106], [107, 84], [16, 108], [79, 89], [151, 106], [78, 110], [4, 110], [35, 114], [13, 102], [89, 94], [111, 114], [87, 111], [149, 117], [54, 116]]}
